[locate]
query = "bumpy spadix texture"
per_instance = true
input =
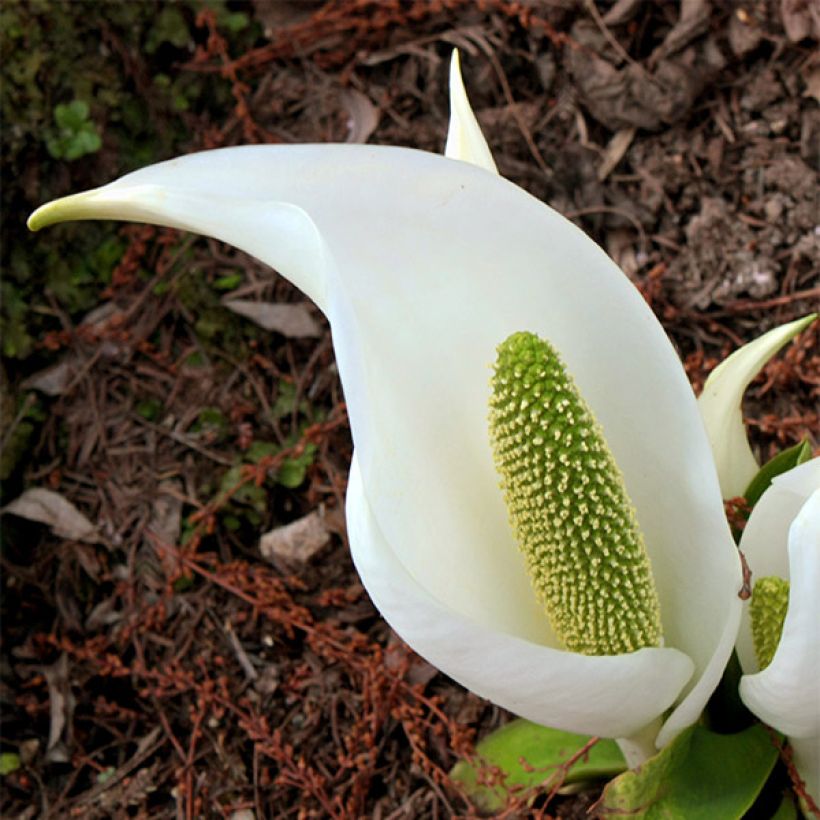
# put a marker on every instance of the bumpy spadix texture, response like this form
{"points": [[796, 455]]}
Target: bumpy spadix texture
{"points": [[568, 505], [769, 604]]}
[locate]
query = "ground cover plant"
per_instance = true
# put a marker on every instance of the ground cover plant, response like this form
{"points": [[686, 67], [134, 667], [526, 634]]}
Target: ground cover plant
{"points": [[150, 637]]}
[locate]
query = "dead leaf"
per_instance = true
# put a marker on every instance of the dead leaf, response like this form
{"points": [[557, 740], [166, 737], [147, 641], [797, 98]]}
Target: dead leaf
{"points": [[28, 750], [61, 701], [275, 16], [622, 12], [632, 95], [293, 320], [297, 542], [813, 84], [745, 33], [50, 508], [99, 318], [166, 514], [363, 116], [693, 21], [243, 814], [54, 380], [620, 245], [268, 681], [801, 19], [417, 671], [614, 151], [133, 790], [103, 614]]}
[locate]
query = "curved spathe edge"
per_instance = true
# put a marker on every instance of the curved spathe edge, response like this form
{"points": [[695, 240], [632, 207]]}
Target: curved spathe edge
{"points": [[720, 405], [276, 232], [606, 696], [765, 539], [785, 694], [688, 711]]}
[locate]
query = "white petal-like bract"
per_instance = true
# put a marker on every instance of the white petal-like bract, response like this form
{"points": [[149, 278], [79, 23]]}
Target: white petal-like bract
{"points": [[786, 694], [720, 405]]}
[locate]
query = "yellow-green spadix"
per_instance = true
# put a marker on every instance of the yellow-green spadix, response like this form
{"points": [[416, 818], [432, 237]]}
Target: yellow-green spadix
{"points": [[568, 505], [423, 264]]}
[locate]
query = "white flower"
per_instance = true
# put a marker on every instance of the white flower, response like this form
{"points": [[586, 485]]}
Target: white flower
{"points": [[721, 410], [423, 264], [782, 539]]}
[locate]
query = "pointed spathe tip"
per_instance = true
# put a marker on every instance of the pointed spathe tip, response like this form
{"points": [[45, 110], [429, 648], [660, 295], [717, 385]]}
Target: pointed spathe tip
{"points": [[464, 138], [66, 209], [44, 216]]}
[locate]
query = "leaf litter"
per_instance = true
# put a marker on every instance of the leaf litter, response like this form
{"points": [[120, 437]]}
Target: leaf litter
{"points": [[162, 647]]}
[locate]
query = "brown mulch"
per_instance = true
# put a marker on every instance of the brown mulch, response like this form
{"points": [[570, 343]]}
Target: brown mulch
{"points": [[165, 669]]}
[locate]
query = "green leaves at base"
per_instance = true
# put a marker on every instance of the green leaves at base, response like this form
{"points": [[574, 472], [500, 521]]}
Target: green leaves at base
{"points": [[75, 133], [699, 776], [529, 755], [776, 466], [9, 762]]}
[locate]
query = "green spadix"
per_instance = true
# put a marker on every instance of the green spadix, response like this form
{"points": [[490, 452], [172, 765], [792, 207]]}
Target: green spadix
{"points": [[568, 505], [768, 607]]}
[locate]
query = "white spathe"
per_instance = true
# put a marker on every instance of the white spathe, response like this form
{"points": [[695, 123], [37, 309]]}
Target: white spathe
{"points": [[782, 538], [720, 405], [423, 264]]}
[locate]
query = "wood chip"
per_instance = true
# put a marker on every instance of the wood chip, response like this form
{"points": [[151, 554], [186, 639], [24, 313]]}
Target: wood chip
{"points": [[293, 320], [296, 543]]}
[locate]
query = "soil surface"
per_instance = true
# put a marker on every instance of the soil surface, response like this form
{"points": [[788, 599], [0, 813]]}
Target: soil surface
{"points": [[168, 650]]}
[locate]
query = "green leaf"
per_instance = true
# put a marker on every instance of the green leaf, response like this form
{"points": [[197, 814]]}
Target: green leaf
{"points": [[787, 810], [781, 463], [529, 756], [149, 409], [260, 449], [235, 21], [211, 421], [169, 27], [106, 774], [71, 116], [183, 583], [230, 479], [76, 135], [231, 522], [292, 472], [9, 762], [228, 282], [285, 399], [699, 776]]}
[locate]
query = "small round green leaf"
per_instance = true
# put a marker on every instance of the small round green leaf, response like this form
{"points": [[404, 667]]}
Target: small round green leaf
{"points": [[9, 762]]}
